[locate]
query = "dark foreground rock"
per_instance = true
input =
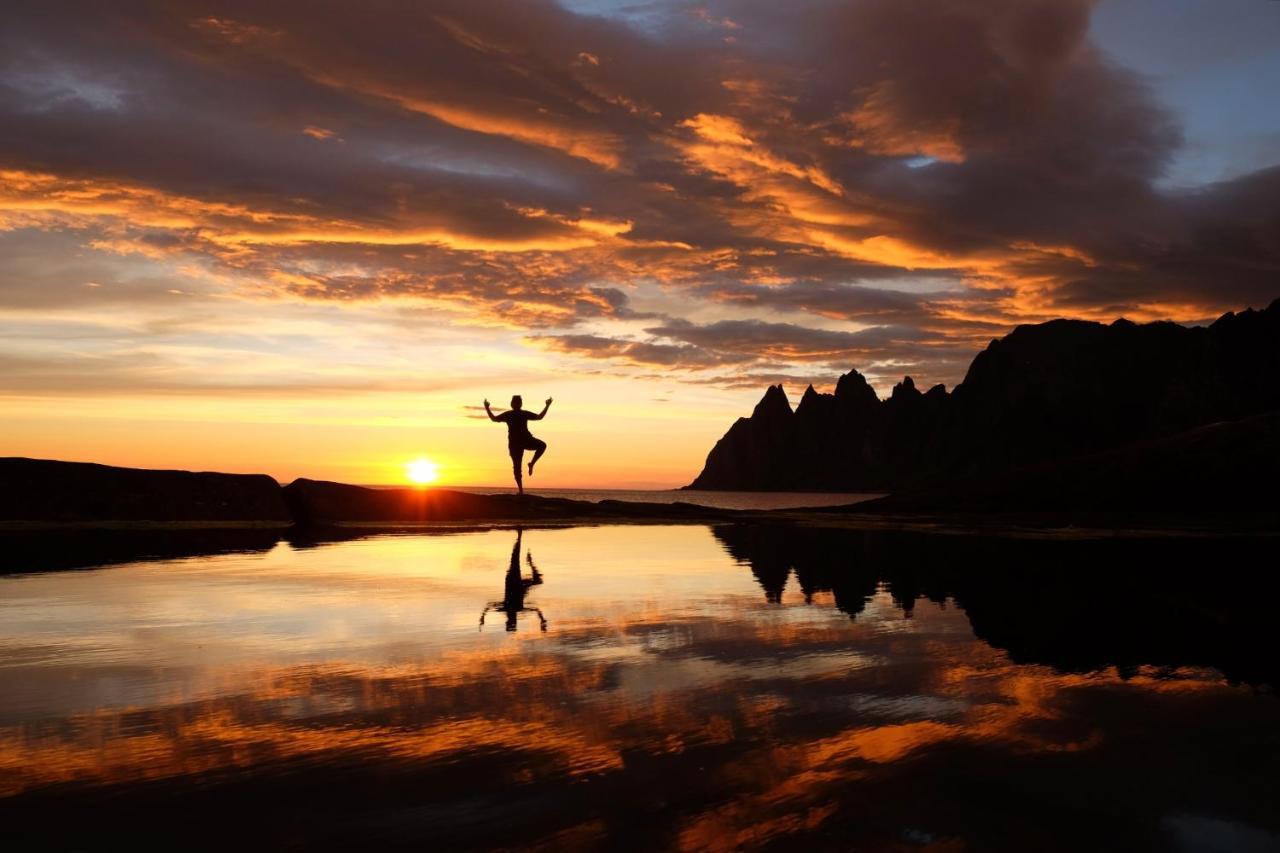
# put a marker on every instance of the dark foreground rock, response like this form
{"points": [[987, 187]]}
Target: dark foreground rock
{"points": [[41, 490], [317, 502], [1229, 467]]}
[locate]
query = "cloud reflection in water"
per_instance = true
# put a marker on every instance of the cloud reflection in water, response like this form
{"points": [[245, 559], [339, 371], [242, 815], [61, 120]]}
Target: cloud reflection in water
{"points": [[696, 688]]}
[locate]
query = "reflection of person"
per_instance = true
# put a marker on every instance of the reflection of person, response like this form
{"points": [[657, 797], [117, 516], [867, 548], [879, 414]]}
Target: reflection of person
{"points": [[519, 439], [516, 588]]}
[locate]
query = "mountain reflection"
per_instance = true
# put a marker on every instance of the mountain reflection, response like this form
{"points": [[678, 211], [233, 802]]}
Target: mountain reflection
{"points": [[338, 695], [1076, 605]]}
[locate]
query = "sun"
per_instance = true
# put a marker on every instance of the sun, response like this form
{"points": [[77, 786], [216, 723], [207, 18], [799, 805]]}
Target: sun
{"points": [[422, 471]]}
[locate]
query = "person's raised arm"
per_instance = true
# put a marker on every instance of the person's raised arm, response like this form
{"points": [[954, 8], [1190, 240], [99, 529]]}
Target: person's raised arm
{"points": [[488, 411], [543, 413]]}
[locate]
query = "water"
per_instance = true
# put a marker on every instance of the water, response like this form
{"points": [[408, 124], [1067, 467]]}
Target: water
{"points": [[673, 687], [718, 500]]}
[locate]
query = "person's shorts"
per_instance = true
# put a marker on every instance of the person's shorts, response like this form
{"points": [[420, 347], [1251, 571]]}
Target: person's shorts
{"points": [[515, 448]]}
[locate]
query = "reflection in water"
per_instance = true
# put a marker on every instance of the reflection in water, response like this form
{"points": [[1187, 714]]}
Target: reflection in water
{"points": [[1042, 695], [41, 551], [1076, 605], [516, 588]]}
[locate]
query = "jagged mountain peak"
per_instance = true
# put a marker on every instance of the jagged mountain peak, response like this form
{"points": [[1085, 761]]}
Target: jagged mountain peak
{"points": [[808, 399], [1042, 392], [905, 389], [854, 386], [815, 405], [773, 404]]}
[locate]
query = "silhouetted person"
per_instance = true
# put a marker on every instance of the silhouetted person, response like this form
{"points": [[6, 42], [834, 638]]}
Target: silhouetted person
{"points": [[515, 589], [519, 439]]}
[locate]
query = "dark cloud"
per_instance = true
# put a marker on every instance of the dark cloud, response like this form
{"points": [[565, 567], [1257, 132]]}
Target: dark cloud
{"points": [[940, 170], [785, 340], [641, 352], [829, 299]]}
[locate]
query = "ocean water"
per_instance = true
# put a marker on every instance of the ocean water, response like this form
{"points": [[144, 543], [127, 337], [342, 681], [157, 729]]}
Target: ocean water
{"points": [[719, 500], [639, 687]]}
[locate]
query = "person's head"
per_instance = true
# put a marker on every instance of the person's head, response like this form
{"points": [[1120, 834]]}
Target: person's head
{"points": [[517, 402]]}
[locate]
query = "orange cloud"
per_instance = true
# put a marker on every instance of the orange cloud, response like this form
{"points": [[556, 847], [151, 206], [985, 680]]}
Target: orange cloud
{"points": [[320, 133], [30, 197], [876, 127], [602, 149], [734, 154]]}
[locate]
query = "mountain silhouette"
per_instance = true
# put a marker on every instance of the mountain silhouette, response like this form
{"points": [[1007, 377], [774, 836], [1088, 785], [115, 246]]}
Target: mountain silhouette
{"points": [[1044, 393], [1223, 467]]}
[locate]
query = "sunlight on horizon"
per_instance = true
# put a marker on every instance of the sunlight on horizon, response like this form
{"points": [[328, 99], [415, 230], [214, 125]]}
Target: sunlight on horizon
{"points": [[422, 471]]}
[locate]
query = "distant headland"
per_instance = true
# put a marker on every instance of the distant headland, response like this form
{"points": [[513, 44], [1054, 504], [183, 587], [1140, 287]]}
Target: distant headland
{"points": [[1061, 414]]}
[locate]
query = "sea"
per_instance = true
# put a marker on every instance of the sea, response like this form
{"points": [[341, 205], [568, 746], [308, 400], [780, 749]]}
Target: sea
{"points": [[717, 500]]}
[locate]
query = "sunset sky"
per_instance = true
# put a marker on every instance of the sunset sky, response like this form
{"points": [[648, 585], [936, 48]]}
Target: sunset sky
{"points": [[307, 239]]}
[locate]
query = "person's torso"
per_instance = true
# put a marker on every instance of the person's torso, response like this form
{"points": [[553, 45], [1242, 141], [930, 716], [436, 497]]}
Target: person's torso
{"points": [[517, 421]]}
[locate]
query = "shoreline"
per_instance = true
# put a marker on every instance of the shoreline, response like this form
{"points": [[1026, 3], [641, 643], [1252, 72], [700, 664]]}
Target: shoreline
{"points": [[1004, 525], [51, 496]]}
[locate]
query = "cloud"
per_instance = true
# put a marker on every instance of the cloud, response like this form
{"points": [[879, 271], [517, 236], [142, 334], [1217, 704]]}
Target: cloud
{"points": [[784, 341], [939, 171], [827, 299], [640, 352], [753, 353], [141, 372]]}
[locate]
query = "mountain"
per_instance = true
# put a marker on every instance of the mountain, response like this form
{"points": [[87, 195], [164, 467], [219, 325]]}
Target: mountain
{"points": [[1044, 392], [1224, 467]]}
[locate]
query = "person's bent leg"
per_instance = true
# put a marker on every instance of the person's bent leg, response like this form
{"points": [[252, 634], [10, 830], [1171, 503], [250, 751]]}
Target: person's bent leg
{"points": [[539, 447]]}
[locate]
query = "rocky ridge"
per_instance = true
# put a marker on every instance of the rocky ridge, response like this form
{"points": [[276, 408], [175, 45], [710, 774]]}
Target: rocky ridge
{"points": [[1044, 392]]}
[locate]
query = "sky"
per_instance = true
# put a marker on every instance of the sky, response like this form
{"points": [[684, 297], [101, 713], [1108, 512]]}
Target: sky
{"points": [[309, 239]]}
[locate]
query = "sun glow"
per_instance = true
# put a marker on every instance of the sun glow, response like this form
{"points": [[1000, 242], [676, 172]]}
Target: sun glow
{"points": [[422, 471]]}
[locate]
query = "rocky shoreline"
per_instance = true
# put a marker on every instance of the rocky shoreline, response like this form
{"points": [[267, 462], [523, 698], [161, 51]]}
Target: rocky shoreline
{"points": [[79, 500], [49, 494]]}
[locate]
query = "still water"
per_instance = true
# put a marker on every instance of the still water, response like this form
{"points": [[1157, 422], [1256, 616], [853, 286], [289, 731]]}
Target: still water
{"points": [[646, 687], [717, 500]]}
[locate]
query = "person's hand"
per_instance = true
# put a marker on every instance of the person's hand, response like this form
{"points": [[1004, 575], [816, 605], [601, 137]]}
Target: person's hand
{"points": [[548, 401], [486, 402]]}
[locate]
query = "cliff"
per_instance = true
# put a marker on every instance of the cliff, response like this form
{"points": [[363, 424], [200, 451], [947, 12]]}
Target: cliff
{"points": [[1044, 392], [1224, 467]]}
